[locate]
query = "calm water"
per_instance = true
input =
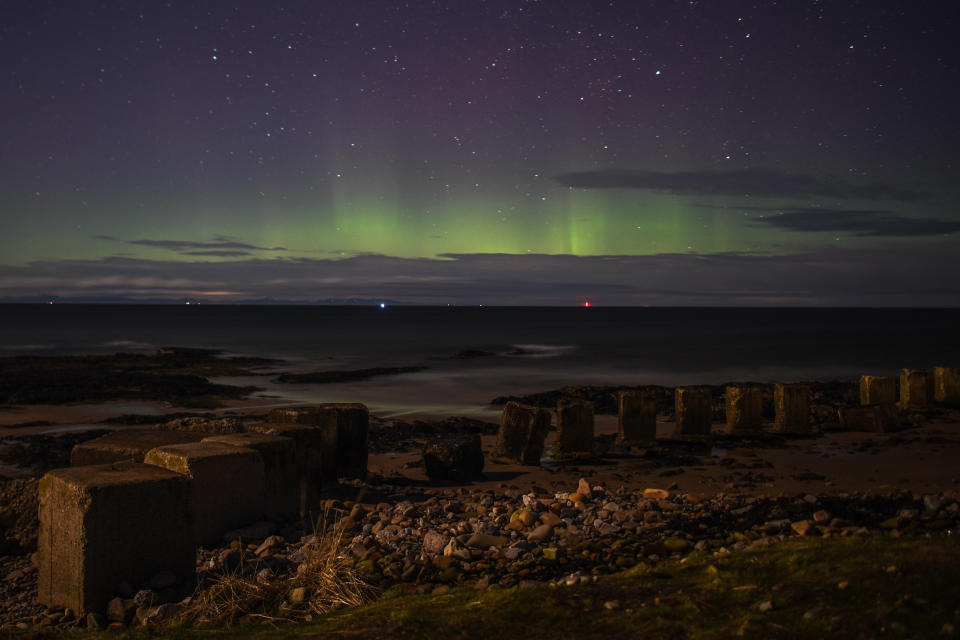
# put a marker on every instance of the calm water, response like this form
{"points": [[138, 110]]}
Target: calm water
{"points": [[562, 345]]}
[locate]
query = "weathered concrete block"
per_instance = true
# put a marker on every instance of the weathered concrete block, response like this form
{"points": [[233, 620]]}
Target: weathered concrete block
{"points": [[281, 468], [228, 484], [946, 385], [877, 390], [792, 408], [916, 388], [126, 444], [574, 427], [693, 407], [346, 424], [879, 418], [744, 406], [637, 417], [107, 524], [311, 444], [454, 458], [523, 429]]}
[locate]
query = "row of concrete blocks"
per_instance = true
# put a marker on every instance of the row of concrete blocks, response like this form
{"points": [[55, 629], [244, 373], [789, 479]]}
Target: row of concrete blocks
{"points": [[918, 388], [524, 428], [147, 510]]}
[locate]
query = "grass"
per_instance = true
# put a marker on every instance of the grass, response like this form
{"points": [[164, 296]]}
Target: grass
{"points": [[845, 588]]}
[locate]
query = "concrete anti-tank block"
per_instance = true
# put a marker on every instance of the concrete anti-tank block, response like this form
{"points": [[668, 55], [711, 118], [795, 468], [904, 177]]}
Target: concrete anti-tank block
{"points": [[744, 409], [126, 444], [792, 408], [879, 418], [637, 417], [104, 525], [916, 388], [574, 427], [345, 427], [946, 384], [309, 447], [227, 485], [877, 390], [694, 411], [281, 468], [523, 429]]}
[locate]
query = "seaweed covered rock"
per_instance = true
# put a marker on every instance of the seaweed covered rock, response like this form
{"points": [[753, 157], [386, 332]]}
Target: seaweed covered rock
{"points": [[458, 457]]}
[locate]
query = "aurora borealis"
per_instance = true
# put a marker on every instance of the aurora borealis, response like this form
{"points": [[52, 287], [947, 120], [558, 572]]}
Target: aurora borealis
{"points": [[497, 152]]}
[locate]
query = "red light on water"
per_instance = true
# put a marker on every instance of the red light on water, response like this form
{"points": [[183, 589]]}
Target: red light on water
{"points": [[587, 303]]}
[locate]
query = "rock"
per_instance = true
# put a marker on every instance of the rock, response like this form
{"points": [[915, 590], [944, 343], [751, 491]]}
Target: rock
{"points": [[549, 517], [523, 429], [655, 494], [541, 534], [458, 457], [163, 580], [483, 541], [144, 598], [802, 527], [456, 550], [584, 490], [821, 517], [161, 613], [121, 610], [931, 503], [764, 606], [268, 545], [96, 622], [433, 542]]}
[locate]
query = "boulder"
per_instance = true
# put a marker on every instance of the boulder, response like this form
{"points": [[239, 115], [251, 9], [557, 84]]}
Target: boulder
{"points": [[458, 458]]}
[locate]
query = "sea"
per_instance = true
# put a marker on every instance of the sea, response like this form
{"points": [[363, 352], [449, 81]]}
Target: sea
{"points": [[531, 348]]}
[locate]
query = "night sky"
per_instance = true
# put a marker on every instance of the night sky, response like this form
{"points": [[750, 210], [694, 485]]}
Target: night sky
{"points": [[470, 152]]}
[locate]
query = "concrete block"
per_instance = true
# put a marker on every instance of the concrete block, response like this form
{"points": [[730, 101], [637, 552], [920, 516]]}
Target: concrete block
{"points": [[878, 418], [126, 444], [916, 388], [347, 425], [311, 443], [227, 489], [946, 385], [281, 468], [456, 457], [523, 429], [792, 408], [693, 407], [877, 390], [104, 525], [637, 417], [744, 409], [574, 427]]}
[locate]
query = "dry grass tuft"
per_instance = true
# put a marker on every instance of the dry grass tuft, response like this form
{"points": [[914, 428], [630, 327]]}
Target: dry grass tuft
{"points": [[327, 579]]}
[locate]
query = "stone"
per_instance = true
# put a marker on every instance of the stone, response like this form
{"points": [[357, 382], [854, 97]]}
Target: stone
{"points": [[655, 494], [791, 404], [310, 443], [346, 427], [227, 485], [878, 418], [574, 427], [458, 458], [484, 541], [298, 595], [584, 489], [541, 534], [434, 542], [744, 409], [456, 550], [103, 525], [126, 444], [281, 469], [121, 610], [523, 429], [96, 622], [916, 388], [946, 385], [877, 390], [637, 418], [693, 407], [674, 544], [821, 517], [802, 527]]}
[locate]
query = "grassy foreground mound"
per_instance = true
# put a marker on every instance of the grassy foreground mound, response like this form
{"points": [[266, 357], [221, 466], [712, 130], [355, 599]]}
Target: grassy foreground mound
{"points": [[842, 588]]}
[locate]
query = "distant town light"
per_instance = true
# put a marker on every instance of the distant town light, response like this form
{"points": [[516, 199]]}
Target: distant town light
{"points": [[586, 303], [383, 305]]}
